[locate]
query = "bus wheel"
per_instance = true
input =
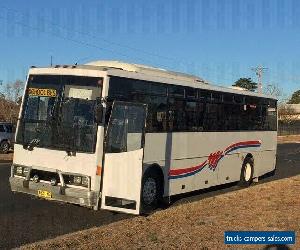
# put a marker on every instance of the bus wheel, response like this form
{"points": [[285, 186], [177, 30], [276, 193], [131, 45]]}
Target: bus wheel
{"points": [[247, 173], [4, 147], [151, 191]]}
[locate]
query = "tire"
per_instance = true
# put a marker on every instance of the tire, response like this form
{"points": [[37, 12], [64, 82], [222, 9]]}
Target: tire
{"points": [[4, 147], [151, 191], [247, 173]]}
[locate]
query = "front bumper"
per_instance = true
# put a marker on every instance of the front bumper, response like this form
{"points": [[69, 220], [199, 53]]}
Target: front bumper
{"points": [[59, 193]]}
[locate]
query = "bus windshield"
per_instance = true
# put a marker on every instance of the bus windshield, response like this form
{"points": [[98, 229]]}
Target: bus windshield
{"points": [[59, 113]]}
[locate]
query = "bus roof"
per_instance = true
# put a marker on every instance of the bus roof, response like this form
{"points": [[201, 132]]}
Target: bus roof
{"points": [[135, 71], [158, 72], [144, 69]]}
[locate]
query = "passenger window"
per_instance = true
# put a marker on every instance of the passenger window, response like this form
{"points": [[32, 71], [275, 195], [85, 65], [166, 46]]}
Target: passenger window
{"points": [[158, 89], [204, 95], [191, 93], [135, 127], [177, 115], [238, 99], [228, 98], [125, 131], [157, 114], [177, 91], [216, 97], [191, 116], [2, 130]]}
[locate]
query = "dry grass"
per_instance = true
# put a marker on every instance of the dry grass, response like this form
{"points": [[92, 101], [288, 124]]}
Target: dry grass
{"points": [[197, 225], [288, 138], [6, 157]]}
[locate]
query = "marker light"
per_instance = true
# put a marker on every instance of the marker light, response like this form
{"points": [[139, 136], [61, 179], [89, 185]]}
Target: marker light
{"points": [[19, 170], [77, 180]]}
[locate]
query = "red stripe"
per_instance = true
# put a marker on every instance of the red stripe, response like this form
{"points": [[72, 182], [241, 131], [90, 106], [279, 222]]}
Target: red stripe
{"points": [[186, 170], [243, 143], [174, 172]]}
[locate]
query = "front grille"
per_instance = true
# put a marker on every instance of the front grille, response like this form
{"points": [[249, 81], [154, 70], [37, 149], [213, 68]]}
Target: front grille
{"points": [[44, 175]]}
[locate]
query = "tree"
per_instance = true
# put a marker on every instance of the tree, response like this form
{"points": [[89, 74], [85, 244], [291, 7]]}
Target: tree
{"points": [[246, 83], [8, 110], [286, 113], [13, 91], [10, 101], [295, 99], [274, 90]]}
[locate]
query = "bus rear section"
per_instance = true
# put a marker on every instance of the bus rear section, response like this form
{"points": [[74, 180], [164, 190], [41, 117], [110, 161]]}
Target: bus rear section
{"points": [[58, 150]]}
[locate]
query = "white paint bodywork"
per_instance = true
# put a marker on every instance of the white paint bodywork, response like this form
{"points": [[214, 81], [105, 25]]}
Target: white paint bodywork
{"points": [[183, 150], [171, 151], [122, 178], [81, 163]]}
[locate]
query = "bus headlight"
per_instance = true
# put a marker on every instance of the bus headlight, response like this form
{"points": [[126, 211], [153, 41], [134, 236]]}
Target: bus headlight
{"points": [[19, 171], [25, 171], [85, 181], [77, 180]]}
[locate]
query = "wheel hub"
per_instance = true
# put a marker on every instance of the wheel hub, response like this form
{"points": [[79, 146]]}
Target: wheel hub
{"points": [[248, 171], [149, 191]]}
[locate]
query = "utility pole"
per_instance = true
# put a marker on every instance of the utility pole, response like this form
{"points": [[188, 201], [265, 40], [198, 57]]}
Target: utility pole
{"points": [[259, 70], [51, 59]]}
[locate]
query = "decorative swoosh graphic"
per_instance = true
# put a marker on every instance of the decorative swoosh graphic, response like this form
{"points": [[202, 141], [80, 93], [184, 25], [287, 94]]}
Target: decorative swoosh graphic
{"points": [[212, 161]]}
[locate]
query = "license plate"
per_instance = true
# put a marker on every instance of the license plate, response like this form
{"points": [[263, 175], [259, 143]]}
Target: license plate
{"points": [[44, 194]]}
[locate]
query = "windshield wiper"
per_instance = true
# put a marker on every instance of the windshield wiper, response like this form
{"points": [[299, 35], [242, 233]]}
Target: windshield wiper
{"points": [[32, 144]]}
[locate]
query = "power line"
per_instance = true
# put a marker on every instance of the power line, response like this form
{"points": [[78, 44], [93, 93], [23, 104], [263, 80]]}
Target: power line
{"points": [[96, 37], [259, 70], [71, 39]]}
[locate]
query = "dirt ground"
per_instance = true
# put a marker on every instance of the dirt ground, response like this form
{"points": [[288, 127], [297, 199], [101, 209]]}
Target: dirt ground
{"points": [[198, 225], [288, 139], [6, 157]]}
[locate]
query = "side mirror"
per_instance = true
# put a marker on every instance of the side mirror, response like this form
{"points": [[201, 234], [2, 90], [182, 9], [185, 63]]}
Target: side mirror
{"points": [[98, 111]]}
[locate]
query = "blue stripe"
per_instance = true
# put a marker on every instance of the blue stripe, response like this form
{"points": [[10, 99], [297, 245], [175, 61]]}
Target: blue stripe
{"points": [[188, 174], [245, 146], [200, 169]]}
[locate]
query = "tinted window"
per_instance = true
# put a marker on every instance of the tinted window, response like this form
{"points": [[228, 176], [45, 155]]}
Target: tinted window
{"points": [[157, 114], [125, 88], [158, 89], [227, 97], [216, 96], [213, 111], [238, 99], [204, 95], [176, 91], [213, 117], [190, 93], [191, 116], [177, 114]]}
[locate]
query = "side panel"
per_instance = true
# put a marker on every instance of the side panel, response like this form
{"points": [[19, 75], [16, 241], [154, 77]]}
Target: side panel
{"points": [[192, 161]]}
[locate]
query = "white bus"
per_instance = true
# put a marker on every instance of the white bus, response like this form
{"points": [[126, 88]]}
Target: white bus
{"points": [[124, 137]]}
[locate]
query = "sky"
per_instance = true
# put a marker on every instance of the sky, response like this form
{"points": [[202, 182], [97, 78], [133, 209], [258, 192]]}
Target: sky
{"points": [[218, 40]]}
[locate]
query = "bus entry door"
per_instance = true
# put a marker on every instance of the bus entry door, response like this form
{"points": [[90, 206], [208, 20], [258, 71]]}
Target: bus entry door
{"points": [[123, 160]]}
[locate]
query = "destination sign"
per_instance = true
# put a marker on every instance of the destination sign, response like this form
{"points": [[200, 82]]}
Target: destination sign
{"points": [[42, 92]]}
